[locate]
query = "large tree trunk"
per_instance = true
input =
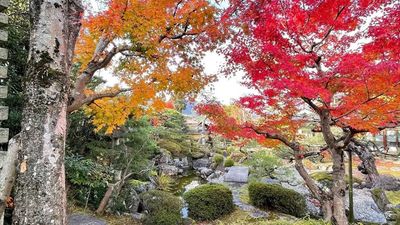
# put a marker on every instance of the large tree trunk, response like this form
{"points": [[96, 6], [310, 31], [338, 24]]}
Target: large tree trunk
{"points": [[339, 188], [40, 189]]}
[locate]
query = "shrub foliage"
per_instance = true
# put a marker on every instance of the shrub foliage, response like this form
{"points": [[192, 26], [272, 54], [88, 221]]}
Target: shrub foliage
{"points": [[209, 201], [163, 208], [273, 196]]}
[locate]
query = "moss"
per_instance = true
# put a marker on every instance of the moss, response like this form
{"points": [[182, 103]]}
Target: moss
{"points": [[218, 159], [239, 217], [326, 178], [229, 162], [393, 197]]}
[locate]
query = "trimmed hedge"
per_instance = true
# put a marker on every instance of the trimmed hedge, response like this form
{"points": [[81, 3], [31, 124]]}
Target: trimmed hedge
{"points": [[209, 201], [274, 196], [163, 208]]}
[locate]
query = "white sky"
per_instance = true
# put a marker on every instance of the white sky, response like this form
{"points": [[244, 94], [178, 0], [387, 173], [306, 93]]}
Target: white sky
{"points": [[225, 90]]}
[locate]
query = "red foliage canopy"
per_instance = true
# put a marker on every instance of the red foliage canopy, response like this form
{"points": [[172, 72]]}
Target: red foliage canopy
{"points": [[305, 57]]}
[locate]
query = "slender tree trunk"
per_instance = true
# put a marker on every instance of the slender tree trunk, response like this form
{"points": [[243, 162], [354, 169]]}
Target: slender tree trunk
{"points": [[40, 189], [339, 188]]}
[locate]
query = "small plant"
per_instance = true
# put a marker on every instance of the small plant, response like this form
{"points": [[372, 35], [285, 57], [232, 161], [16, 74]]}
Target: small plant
{"points": [[163, 182], [273, 196], [209, 201], [218, 159], [162, 208], [229, 162], [263, 163]]}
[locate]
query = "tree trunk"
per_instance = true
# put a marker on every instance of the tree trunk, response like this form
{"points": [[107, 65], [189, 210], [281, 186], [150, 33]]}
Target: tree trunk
{"points": [[7, 173], [368, 166], [320, 195], [339, 188], [40, 189]]}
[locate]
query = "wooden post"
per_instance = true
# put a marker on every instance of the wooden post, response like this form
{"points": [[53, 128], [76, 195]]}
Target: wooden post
{"points": [[351, 209]]}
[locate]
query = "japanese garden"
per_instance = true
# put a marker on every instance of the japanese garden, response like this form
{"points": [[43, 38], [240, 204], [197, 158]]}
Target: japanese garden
{"points": [[199, 112]]}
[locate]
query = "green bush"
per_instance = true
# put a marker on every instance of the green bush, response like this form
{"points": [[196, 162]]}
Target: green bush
{"points": [[209, 201], [263, 163], [163, 208], [229, 162], [171, 146], [88, 180], [218, 159], [273, 196]]}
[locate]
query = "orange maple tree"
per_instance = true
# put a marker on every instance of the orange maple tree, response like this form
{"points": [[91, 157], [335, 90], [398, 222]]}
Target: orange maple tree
{"points": [[331, 63], [155, 49]]}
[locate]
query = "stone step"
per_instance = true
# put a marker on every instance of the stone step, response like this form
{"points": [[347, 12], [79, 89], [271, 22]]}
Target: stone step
{"points": [[3, 19], [3, 35], [3, 5], [3, 53], [3, 155], [3, 72]]}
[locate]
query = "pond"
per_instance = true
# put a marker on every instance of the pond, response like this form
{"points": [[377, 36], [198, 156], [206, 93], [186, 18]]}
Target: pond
{"points": [[183, 184]]}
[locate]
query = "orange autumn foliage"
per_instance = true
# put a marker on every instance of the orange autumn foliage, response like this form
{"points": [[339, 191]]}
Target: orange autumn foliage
{"points": [[155, 48]]}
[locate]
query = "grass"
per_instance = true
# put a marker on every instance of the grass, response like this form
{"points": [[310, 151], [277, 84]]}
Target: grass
{"points": [[239, 217], [110, 219]]}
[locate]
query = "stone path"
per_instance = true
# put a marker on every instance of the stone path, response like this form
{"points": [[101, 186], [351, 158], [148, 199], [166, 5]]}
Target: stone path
{"points": [[253, 211], [239, 174], [81, 219]]}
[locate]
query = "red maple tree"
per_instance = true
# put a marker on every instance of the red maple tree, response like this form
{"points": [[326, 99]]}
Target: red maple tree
{"points": [[334, 63]]}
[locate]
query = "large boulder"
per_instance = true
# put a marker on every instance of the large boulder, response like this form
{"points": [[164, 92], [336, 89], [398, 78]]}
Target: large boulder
{"points": [[238, 174], [365, 208], [81, 219]]}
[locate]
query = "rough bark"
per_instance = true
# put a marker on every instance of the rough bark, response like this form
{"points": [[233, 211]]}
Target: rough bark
{"points": [[368, 166], [7, 175], [339, 188], [336, 147], [40, 189]]}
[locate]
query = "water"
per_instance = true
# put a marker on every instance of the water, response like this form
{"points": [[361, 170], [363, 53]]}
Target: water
{"points": [[184, 184]]}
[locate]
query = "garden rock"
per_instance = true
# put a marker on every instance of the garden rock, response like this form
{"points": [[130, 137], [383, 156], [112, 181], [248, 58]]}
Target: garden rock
{"points": [[203, 162], [238, 174], [205, 172], [365, 208], [80, 219], [169, 170], [126, 202], [268, 180]]}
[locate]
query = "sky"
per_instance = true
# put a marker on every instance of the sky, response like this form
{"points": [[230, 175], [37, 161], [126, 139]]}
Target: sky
{"points": [[225, 90]]}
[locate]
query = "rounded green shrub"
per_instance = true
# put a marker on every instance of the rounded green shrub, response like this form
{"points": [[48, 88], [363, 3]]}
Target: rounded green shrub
{"points": [[163, 208], [274, 196], [209, 201], [229, 162], [218, 159]]}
